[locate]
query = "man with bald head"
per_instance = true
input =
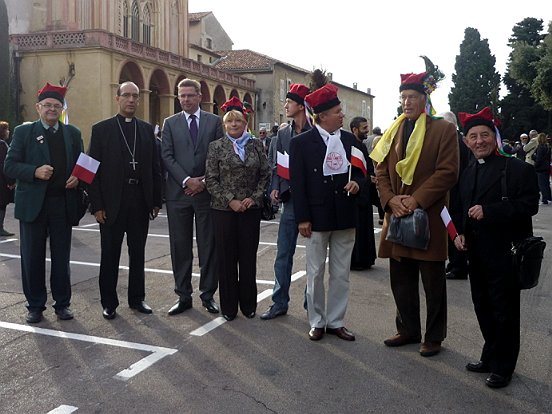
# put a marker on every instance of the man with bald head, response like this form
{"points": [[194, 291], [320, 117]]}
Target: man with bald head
{"points": [[124, 196]]}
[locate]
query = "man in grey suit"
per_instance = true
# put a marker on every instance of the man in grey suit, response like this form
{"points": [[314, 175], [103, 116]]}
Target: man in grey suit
{"points": [[186, 137]]}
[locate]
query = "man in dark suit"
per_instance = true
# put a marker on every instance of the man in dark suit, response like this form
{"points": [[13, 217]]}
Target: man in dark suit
{"points": [[186, 137], [124, 196], [323, 186], [41, 157], [498, 196]]}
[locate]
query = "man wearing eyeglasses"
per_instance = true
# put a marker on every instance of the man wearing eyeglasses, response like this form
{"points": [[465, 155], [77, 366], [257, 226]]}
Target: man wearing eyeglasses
{"points": [[186, 138], [124, 196], [41, 158]]}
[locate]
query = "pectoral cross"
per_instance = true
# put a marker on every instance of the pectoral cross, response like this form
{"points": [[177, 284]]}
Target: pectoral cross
{"points": [[133, 163]]}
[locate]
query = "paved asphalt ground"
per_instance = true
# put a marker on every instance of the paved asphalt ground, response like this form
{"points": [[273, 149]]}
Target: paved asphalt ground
{"points": [[198, 363]]}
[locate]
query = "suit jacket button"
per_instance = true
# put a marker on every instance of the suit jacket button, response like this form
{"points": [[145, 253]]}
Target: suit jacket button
{"points": [[325, 181], [315, 170]]}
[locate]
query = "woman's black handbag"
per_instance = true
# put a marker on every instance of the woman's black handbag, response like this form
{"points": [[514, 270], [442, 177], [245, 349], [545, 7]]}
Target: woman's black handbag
{"points": [[527, 259], [410, 231], [267, 210]]}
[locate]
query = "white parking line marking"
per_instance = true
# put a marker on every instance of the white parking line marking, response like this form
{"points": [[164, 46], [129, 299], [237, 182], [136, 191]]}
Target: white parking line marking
{"points": [[157, 352], [8, 240], [63, 409]]}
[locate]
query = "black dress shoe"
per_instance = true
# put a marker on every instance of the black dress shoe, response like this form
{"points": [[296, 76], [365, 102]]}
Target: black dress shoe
{"points": [[180, 307], [210, 305], [141, 307], [34, 317], [316, 334], [478, 366], [228, 317], [109, 313], [498, 381], [64, 313], [273, 312], [342, 333], [456, 276], [249, 315]]}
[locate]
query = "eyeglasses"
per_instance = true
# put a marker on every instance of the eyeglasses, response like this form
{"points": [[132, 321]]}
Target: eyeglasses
{"points": [[48, 106], [127, 95]]}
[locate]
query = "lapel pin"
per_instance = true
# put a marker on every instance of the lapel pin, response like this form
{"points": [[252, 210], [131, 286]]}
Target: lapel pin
{"points": [[40, 139]]}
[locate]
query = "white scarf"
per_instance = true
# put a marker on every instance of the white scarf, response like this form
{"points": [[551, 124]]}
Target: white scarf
{"points": [[335, 160]]}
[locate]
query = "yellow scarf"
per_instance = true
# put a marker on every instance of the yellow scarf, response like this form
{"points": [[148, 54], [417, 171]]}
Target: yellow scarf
{"points": [[407, 166]]}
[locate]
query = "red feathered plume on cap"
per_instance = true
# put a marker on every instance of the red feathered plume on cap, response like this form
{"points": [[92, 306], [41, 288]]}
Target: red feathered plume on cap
{"points": [[232, 104]]}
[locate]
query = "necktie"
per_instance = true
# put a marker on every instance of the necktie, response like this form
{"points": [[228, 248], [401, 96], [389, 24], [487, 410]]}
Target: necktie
{"points": [[193, 129]]}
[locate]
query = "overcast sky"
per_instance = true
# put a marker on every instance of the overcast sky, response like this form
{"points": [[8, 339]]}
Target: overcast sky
{"points": [[372, 43]]}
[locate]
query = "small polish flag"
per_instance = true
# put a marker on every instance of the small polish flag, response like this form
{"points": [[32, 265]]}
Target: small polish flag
{"points": [[358, 160], [445, 216], [282, 165], [86, 167]]}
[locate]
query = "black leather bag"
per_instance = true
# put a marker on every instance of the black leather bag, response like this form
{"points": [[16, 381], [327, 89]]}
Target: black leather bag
{"points": [[527, 257], [83, 201], [410, 231], [267, 211]]}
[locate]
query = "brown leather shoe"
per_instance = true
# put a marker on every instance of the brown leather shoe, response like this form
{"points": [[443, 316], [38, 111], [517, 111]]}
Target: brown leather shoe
{"points": [[400, 340], [316, 334], [429, 348], [342, 333]]}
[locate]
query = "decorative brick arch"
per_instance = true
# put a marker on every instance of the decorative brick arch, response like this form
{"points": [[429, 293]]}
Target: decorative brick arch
{"points": [[219, 97], [158, 86], [205, 93], [131, 71], [235, 93]]}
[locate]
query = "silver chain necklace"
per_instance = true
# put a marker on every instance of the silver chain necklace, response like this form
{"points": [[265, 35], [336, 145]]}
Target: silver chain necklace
{"points": [[133, 152]]}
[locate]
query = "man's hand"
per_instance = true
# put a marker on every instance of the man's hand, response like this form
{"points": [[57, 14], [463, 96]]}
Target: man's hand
{"points": [[460, 243], [476, 212], [154, 213], [397, 207], [100, 216], [44, 172], [352, 187], [194, 185], [275, 196], [71, 182], [237, 206], [305, 228], [410, 203]]}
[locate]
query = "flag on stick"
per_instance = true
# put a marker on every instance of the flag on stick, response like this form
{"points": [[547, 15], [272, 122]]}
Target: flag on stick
{"points": [[445, 216], [282, 165], [86, 167], [358, 160]]}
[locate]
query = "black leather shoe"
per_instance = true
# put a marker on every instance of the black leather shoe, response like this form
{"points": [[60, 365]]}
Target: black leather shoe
{"points": [[456, 276], [273, 312], [64, 313], [141, 307], [180, 307], [342, 333], [478, 366], [316, 334], [34, 317], [210, 305], [249, 315], [109, 313], [228, 317], [498, 381]]}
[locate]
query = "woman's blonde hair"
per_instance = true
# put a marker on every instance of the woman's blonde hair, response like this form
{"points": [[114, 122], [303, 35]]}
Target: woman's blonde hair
{"points": [[541, 138], [234, 115]]}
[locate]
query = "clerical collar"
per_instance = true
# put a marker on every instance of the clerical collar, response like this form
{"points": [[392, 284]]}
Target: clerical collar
{"points": [[125, 119], [47, 127], [481, 160]]}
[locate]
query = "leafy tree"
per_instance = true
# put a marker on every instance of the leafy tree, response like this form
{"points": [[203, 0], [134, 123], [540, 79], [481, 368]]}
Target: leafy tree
{"points": [[542, 85], [476, 82]]}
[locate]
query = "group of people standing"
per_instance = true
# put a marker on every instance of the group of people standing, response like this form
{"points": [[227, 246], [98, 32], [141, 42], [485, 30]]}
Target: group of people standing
{"points": [[217, 174]]}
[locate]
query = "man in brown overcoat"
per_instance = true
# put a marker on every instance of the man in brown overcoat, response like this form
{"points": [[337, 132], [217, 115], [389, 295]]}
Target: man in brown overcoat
{"points": [[418, 165]]}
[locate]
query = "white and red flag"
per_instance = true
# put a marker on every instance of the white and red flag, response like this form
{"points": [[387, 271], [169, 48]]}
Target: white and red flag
{"points": [[358, 160], [445, 216], [282, 165], [86, 167]]}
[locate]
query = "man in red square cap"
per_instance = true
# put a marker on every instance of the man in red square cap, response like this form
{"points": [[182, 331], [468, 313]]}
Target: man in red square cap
{"points": [[280, 192], [492, 221], [417, 160], [323, 183], [41, 157]]}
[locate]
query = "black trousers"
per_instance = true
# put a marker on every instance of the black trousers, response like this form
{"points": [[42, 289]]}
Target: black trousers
{"points": [[495, 296], [133, 219], [458, 261], [236, 244], [51, 223], [405, 275]]}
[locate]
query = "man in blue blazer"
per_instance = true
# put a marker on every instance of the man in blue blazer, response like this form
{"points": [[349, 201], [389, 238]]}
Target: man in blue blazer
{"points": [[124, 196], [323, 184], [41, 158], [186, 137]]}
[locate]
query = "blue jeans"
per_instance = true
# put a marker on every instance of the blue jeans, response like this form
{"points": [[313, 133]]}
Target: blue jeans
{"points": [[287, 240]]}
